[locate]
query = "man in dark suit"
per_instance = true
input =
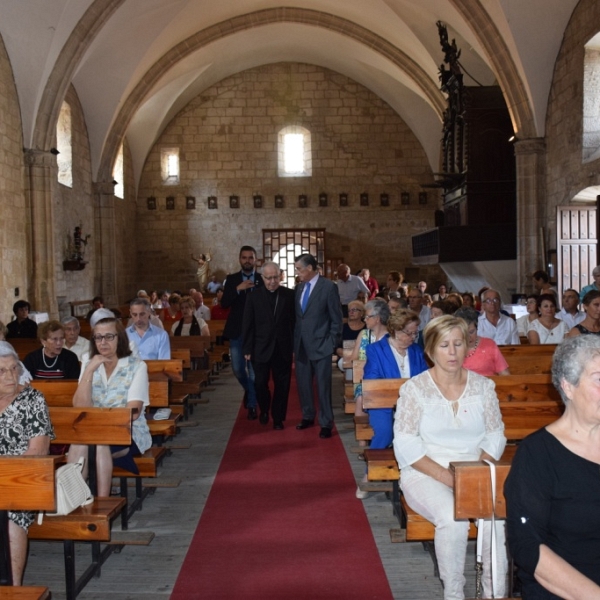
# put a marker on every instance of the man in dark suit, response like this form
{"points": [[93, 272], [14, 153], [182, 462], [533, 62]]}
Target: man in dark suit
{"points": [[318, 329], [238, 286], [268, 334]]}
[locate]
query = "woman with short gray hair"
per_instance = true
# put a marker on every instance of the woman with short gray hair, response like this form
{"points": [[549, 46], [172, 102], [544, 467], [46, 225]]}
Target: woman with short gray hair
{"points": [[552, 490]]}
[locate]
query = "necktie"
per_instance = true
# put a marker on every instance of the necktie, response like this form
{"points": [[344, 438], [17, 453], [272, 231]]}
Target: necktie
{"points": [[305, 297]]}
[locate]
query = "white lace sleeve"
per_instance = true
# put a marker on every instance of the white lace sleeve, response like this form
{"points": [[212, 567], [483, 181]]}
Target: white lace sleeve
{"points": [[408, 445], [494, 441]]}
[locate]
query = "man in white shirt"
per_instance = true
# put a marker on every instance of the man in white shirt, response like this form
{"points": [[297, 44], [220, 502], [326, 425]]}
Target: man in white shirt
{"points": [[349, 286], [493, 324], [202, 311], [73, 341], [570, 312]]}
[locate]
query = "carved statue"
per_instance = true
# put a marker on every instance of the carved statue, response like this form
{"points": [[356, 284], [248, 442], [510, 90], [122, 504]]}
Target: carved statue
{"points": [[77, 250], [203, 272]]}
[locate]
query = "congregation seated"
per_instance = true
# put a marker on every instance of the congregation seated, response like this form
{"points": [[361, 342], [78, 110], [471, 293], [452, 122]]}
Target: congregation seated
{"points": [[25, 429], [189, 324], [533, 312], [52, 360], [446, 414], [547, 329], [468, 299], [22, 326], [395, 302], [591, 323], [441, 307], [113, 377], [73, 341], [396, 355], [552, 490], [483, 355]]}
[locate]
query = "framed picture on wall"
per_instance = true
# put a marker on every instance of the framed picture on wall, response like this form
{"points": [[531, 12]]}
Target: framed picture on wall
{"points": [[151, 203], [212, 202], [190, 202], [279, 201], [343, 199], [405, 198], [170, 203], [384, 199], [422, 197], [302, 201], [234, 201], [322, 199], [257, 201], [364, 199]]}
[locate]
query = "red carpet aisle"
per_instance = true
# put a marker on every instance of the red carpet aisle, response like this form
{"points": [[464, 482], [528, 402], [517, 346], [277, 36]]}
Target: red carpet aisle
{"points": [[281, 522]]}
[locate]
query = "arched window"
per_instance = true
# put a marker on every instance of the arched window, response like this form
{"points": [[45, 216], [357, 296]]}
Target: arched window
{"points": [[591, 100], [294, 152], [119, 175], [64, 146], [169, 166]]}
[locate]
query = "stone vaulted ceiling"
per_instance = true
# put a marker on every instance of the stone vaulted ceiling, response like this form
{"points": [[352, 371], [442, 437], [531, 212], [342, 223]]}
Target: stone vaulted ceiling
{"points": [[136, 63]]}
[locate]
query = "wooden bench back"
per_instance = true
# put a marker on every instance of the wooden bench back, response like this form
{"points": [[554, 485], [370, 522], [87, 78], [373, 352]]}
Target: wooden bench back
{"points": [[23, 346], [90, 425], [358, 367], [527, 359], [173, 368], [27, 482], [61, 392], [473, 490], [196, 344]]}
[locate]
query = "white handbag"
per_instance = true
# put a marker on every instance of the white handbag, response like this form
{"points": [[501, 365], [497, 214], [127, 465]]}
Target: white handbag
{"points": [[71, 490]]}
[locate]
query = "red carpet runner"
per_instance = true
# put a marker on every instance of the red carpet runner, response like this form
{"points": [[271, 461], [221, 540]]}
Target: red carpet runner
{"points": [[281, 522]]}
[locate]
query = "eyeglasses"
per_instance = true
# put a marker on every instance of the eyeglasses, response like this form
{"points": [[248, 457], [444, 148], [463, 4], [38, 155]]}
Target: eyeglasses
{"points": [[271, 278], [10, 371], [492, 301], [413, 334], [354, 310], [370, 316], [109, 337]]}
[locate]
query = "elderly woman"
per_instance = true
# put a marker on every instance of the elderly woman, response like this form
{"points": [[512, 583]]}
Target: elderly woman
{"points": [[113, 377], [377, 314], [73, 341], [52, 360], [553, 488], [22, 326], [396, 355], [483, 355], [533, 313], [352, 328], [591, 323], [547, 329], [189, 324], [448, 414], [25, 429]]}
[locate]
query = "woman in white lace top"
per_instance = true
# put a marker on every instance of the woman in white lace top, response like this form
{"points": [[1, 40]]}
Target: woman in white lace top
{"points": [[448, 414]]}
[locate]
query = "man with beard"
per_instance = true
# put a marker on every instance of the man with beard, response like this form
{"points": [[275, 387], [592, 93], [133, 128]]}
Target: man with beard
{"points": [[237, 288]]}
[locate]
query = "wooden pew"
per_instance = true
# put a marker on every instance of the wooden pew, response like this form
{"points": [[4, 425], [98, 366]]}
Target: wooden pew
{"points": [[91, 523], [23, 346], [527, 359], [26, 483]]}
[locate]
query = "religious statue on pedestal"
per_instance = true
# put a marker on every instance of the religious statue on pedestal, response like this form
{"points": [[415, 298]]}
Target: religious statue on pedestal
{"points": [[203, 272]]}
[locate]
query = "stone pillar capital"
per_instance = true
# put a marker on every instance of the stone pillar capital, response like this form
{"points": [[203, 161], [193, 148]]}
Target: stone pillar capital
{"points": [[530, 146], [104, 188], [39, 158]]}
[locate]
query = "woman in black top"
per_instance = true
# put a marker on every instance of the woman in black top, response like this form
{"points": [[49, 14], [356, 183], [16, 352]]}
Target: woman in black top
{"points": [[591, 323], [553, 489], [52, 360]]}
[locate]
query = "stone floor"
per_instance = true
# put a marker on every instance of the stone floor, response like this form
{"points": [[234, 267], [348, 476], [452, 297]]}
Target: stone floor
{"points": [[149, 572]]}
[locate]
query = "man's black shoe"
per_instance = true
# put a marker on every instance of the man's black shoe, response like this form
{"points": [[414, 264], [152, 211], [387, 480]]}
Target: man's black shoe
{"points": [[252, 414], [305, 423]]}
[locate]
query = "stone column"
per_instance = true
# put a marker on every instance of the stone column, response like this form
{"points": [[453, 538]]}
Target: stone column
{"points": [[41, 169], [104, 226], [530, 157]]}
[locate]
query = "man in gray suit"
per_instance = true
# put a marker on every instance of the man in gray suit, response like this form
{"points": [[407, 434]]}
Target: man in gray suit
{"points": [[318, 329]]}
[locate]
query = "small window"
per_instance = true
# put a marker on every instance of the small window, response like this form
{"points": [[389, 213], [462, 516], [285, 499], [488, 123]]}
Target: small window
{"points": [[169, 166], [64, 159], [119, 175], [294, 152]]}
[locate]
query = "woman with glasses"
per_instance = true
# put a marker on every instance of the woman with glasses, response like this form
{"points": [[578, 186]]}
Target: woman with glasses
{"points": [[397, 355], [113, 378], [52, 360]]}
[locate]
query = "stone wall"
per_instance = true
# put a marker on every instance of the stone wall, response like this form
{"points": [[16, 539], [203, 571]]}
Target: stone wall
{"points": [[227, 139], [566, 172], [14, 223]]}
